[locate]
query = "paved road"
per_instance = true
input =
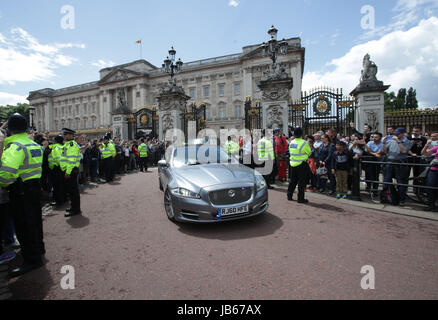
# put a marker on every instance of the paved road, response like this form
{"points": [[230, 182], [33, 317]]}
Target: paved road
{"points": [[124, 247]]}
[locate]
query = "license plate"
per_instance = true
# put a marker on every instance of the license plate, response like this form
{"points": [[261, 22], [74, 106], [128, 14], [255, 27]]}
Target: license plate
{"points": [[230, 211]]}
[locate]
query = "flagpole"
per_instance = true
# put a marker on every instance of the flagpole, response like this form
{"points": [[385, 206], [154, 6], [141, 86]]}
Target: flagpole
{"points": [[141, 49]]}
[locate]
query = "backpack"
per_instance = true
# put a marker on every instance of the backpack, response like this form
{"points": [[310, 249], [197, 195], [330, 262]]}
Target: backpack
{"points": [[390, 196]]}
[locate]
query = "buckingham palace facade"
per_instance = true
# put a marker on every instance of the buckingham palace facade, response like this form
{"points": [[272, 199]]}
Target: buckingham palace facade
{"points": [[221, 83]]}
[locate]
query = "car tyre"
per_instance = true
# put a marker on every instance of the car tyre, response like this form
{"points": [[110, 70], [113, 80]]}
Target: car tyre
{"points": [[168, 206]]}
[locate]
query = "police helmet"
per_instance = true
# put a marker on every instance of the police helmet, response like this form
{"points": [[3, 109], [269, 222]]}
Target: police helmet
{"points": [[59, 139], [298, 132], [17, 123]]}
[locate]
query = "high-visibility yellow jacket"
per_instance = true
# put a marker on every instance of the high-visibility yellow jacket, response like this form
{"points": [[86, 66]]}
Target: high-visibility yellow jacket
{"points": [[21, 158], [265, 150], [108, 150], [299, 151], [54, 157], [232, 147], [143, 150], [70, 156]]}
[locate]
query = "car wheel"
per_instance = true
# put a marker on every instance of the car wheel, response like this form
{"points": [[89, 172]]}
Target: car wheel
{"points": [[161, 186], [168, 206]]}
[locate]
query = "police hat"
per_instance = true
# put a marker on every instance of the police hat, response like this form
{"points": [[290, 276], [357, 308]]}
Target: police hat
{"points": [[107, 135], [276, 130], [298, 132], [59, 139], [17, 123], [67, 131]]}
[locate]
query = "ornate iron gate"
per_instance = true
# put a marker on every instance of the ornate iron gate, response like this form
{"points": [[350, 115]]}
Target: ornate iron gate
{"points": [[253, 114], [322, 109], [194, 113], [145, 123]]}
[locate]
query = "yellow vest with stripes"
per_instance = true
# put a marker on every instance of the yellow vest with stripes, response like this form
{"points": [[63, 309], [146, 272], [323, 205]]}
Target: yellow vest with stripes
{"points": [[22, 158], [299, 151]]}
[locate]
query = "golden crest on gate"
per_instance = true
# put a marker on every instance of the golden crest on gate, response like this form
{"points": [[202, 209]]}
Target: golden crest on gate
{"points": [[144, 119], [322, 106]]}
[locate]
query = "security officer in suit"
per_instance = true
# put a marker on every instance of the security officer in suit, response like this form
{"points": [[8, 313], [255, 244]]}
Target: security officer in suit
{"points": [[55, 173], [70, 161], [299, 152], [20, 172]]}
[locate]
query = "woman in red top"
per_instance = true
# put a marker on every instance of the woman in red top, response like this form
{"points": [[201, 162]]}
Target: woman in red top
{"points": [[280, 149]]}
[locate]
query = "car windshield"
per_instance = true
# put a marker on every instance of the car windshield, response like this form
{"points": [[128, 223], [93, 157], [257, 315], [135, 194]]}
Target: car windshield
{"points": [[201, 154]]}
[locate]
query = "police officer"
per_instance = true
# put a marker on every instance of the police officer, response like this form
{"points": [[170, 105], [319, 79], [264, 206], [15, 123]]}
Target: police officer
{"points": [[108, 154], [231, 147], [20, 172], [299, 152], [70, 161], [265, 153], [143, 150], [55, 173]]}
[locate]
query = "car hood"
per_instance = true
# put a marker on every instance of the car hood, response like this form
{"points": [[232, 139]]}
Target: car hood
{"points": [[213, 174]]}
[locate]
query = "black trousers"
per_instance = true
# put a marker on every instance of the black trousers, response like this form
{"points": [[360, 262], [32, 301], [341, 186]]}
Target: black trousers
{"points": [[72, 189], [57, 178], [144, 163], [298, 176], [108, 168], [26, 210]]}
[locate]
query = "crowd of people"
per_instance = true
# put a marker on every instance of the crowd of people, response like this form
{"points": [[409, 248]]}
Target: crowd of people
{"points": [[32, 163], [328, 166]]}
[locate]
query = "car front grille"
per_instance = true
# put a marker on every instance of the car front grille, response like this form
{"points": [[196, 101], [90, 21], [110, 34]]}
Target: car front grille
{"points": [[223, 197]]}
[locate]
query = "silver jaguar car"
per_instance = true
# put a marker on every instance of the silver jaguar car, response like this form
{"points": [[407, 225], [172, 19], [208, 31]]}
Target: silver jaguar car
{"points": [[202, 184]]}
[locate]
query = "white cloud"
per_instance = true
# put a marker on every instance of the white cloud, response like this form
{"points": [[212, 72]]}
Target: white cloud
{"points": [[12, 99], [407, 14], [103, 64], [233, 3], [404, 58], [23, 58]]}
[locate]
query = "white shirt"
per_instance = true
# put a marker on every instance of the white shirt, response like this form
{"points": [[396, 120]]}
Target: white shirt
{"points": [[247, 147]]}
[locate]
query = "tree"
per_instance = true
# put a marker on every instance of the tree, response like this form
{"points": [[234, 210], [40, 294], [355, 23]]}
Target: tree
{"points": [[400, 101], [411, 99], [389, 101], [8, 110]]}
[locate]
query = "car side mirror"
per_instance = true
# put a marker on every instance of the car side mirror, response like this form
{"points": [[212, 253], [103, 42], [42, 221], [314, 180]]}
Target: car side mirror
{"points": [[163, 164]]}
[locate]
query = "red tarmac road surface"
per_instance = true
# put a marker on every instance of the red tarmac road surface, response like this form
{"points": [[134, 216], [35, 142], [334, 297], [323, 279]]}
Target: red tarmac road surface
{"points": [[124, 247]]}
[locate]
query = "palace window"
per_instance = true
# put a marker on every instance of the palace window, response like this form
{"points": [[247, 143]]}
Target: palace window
{"points": [[207, 113], [237, 111], [85, 108], [192, 93], [93, 121], [206, 92], [222, 112], [237, 89], [77, 109], [221, 90]]}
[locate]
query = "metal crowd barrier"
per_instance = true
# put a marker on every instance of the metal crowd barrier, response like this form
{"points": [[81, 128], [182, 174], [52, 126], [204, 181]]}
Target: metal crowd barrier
{"points": [[357, 169]]}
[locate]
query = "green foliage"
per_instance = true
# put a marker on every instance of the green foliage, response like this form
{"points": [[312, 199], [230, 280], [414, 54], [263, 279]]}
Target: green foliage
{"points": [[403, 100], [8, 110]]}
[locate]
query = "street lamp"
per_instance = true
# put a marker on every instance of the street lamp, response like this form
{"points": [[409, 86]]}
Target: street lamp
{"points": [[274, 47], [31, 113], [170, 66]]}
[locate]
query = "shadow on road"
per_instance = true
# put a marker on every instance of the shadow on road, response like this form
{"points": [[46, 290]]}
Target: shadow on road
{"points": [[259, 226], [77, 222], [34, 285]]}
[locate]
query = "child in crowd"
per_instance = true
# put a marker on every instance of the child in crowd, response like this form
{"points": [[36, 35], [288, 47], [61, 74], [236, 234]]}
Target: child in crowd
{"points": [[341, 162]]}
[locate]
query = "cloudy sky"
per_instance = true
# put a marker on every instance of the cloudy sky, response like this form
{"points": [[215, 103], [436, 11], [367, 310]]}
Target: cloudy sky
{"points": [[52, 43]]}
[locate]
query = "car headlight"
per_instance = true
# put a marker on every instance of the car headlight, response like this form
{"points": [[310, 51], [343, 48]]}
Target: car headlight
{"points": [[181, 192], [260, 182]]}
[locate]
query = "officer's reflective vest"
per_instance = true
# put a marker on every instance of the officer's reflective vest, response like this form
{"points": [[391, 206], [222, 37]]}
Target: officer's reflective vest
{"points": [[143, 150], [232, 147], [299, 151], [21, 158], [54, 157], [108, 150], [70, 156], [265, 150]]}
